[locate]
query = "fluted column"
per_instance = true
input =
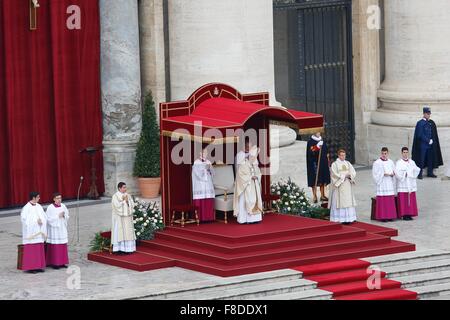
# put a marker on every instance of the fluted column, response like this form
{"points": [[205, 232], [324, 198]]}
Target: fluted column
{"points": [[121, 90], [153, 73], [221, 41], [417, 71]]}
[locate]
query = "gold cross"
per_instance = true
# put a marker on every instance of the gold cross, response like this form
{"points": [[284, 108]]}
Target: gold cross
{"points": [[34, 4]]}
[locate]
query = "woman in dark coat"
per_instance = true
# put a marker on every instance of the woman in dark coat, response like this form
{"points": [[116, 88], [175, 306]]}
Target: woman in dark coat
{"points": [[316, 146]]}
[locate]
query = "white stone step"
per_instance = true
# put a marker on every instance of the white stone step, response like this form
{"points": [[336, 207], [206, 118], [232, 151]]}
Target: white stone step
{"points": [[408, 257], [424, 279], [432, 291], [314, 294], [396, 271], [223, 284], [253, 291]]}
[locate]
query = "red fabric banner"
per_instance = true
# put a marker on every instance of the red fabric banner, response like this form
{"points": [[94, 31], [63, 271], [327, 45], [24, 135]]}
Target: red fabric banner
{"points": [[50, 105]]}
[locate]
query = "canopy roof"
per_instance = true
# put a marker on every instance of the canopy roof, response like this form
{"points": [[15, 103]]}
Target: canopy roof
{"points": [[224, 113]]}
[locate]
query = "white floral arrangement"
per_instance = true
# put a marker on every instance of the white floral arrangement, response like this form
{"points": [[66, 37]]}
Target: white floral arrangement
{"points": [[147, 219], [292, 200]]}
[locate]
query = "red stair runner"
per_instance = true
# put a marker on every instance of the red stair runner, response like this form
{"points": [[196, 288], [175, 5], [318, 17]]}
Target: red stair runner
{"points": [[348, 280], [278, 242]]}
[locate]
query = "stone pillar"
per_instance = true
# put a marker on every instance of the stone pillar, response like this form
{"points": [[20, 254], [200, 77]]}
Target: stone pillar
{"points": [[417, 73], [366, 52], [221, 41], [153, 73], [121, 90]]}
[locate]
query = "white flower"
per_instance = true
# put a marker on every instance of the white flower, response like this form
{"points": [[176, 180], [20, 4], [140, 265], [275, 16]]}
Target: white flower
{"points": [[297, 194], [292, 202], [138, 233], [304, 203], [278, 193], [289, 208], [134, 221], [141, 219], [288, 188], [286, 203], [301, 198]]}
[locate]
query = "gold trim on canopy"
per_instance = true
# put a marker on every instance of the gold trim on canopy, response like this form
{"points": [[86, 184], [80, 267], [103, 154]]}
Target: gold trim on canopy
{"points": [[311, 131], [178, 135]]}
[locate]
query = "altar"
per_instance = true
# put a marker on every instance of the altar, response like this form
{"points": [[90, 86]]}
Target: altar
{"points": [[220, 117]]}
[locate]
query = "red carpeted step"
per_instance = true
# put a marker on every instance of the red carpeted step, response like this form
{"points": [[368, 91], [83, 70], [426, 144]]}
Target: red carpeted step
{"points": [[283, 263], [351, 288], [371, 228], [272, 227], [342, 277], [392, 294], [264, 254], [329, 267], [253, 245], [137, 261]]}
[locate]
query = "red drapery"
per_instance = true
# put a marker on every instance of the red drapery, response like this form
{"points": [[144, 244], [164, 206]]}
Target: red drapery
{"points": [[50, 106]]}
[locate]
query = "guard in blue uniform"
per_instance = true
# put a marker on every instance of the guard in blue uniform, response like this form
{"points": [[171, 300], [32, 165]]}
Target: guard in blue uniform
{"points": [[426, 150]]}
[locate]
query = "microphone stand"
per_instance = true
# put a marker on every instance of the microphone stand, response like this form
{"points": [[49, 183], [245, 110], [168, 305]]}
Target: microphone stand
{"points": [[78, 211]]}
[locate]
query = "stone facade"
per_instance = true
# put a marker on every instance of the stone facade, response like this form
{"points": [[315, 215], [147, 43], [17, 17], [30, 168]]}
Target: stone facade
{"points": [[220, 41]]}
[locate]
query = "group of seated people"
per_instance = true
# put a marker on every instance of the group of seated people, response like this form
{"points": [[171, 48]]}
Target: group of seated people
{"points": [[247, 200]]}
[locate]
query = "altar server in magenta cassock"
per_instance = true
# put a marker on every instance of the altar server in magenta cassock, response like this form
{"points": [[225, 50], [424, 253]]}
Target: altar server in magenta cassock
{"points": [[57, 255], [123, 237], [342, 203], [34, 235], [406, 172], [317, 166], [203, 193], [383, 173], [247, 204]]}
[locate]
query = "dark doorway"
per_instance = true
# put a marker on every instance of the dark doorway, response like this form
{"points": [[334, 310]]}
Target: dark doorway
{"points": [[313, 64]]}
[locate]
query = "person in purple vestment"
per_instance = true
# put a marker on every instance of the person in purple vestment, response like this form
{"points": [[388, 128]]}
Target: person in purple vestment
{"points": [[57, 219], [34, 235]]}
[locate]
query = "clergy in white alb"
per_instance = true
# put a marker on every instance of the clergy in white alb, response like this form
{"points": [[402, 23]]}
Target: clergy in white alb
{"points": [[406, 172], [57, 255], [383, 173], [342, 202], [123, 238], [247, 202], [34, 235], [203, 193]]}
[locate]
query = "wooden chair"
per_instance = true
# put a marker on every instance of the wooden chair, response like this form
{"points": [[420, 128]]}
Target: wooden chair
{"points": [[184, 210]]}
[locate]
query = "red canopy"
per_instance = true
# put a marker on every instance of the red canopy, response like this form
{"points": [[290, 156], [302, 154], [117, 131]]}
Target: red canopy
{"points": [[220, 107], [225, 113]]}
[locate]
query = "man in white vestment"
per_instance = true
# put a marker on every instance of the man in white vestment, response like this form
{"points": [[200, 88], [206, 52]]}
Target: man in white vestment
{"points": [[383, 172], [203, 193], [406, 172], [57, 218], [34, 235], [342, 202], [123, 238], [247, 204]]}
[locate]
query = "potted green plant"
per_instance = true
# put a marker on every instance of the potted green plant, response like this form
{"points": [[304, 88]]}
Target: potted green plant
{"points": [[147, 162]]}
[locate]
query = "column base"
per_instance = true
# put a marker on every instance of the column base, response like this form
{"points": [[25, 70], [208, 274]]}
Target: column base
{"points": [[118, 159]]}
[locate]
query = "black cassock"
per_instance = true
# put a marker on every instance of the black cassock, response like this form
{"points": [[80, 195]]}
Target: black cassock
{"points": [[312, 159]]}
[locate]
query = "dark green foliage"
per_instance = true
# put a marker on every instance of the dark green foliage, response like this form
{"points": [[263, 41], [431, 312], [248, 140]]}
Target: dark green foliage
{"points": [[99, 243], [147, 163]]}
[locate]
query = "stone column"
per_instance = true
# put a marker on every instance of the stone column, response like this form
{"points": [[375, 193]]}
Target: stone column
{"points": [[121, 90], [153, 73], [417, 73], [221, 41], [366, 52]]}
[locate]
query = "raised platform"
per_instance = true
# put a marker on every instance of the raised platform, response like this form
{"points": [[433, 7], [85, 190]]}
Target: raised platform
{"points": [[279, 242]]}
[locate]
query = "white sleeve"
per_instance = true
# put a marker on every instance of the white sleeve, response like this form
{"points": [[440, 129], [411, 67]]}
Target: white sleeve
{"points": [[377, 172]]}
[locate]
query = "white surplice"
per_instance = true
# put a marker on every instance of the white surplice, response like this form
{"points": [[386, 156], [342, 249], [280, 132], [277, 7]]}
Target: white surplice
{"points": [[202, 183], [342, 202], [247, 193], [406, 173], [386, 185], [57, 226], [32, 232], [123, 237]]}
